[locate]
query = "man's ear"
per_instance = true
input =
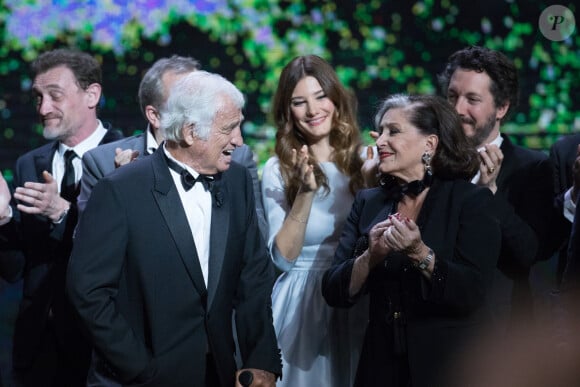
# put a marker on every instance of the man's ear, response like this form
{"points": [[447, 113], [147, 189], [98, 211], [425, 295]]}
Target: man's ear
{"points": [[93, 93], [502, 111], [189, 134], [152, 116]]}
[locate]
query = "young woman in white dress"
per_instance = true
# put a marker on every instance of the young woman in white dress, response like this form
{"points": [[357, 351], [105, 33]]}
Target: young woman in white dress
{"points": [[308, 188]]}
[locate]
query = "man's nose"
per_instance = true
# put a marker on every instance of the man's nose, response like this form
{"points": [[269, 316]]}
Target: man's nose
{"points": [[237, 138], [44, 107], [461, 106]]}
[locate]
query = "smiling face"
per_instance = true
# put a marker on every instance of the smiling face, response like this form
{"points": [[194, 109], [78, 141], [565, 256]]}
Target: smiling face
{"points": [[312, 110], [215, 154], [63, 106], [401, 145], [469, 92]]}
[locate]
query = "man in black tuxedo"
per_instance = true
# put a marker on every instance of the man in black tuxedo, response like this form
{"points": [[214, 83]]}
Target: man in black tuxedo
{"points": [[482, 84], [565, 156], [49, 348], [153, 92], [183, 251]]}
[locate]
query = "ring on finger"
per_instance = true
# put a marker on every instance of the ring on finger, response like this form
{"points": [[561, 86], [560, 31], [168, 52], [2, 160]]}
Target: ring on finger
{"points": [[491, 169]]}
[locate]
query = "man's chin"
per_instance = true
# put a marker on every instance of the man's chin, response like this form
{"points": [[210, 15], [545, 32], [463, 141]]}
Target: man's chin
{"points": [[223, 166], [51, 133]]}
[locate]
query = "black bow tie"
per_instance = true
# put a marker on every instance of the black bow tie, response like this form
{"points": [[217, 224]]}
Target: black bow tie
{"points": [[187, 178], [412, 188]]}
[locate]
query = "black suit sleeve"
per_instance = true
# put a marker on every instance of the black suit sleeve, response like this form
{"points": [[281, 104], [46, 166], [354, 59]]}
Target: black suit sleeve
{"points": [[93, 275], [466, 272], [531, 228], [245, 157], [336, 280], [571, 278], [11, 256]]}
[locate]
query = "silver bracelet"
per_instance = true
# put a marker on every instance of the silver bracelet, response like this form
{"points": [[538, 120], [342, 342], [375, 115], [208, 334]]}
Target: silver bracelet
{"points": [[425, 262], [296, 219]]}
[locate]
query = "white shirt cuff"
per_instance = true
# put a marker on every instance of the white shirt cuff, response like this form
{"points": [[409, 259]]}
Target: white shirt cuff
{"points": [[569, 206]]}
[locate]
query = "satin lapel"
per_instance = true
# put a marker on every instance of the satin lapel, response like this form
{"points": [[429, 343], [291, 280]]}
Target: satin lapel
{"points": [[43, 162], [170, 206], [220, 220], [110, 136]]}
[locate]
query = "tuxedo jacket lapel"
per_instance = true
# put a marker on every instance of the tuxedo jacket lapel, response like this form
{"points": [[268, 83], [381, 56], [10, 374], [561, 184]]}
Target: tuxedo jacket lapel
{"points": [[43, 162], [507, 164], [169, 203], [111, 135], [220, 221]]}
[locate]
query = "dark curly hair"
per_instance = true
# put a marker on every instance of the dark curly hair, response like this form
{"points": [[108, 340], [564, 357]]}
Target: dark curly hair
{"points": [[455, 157], [344, 135], [500, 69]]}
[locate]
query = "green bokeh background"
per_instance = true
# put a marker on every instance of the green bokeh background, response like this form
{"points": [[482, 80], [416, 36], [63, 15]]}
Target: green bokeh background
{"points": [[377, 48]]}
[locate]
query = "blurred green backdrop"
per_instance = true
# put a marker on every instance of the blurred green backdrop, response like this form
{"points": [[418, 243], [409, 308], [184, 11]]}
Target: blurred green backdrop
{"points": [[377, 48]]}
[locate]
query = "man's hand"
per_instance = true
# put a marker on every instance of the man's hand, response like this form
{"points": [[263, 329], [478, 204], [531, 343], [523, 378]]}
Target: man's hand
{"points": [[4, 198], [41, 198], [123, 157], [370, 168], [260, 378], [491, 159]]}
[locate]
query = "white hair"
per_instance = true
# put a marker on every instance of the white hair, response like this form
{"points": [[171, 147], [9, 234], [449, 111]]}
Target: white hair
{"points": [[195, 99]]}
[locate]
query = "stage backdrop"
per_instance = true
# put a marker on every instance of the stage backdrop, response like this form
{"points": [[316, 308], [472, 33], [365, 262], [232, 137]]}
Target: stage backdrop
{"points": [[377, 48]]}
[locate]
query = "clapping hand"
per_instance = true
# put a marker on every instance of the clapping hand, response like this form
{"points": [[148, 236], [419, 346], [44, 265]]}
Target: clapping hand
{"points": [[370, 168], [123, 157], [403, 235], [41, 198], [4, 198], [379, 248], [491, 159], [303, 170]]}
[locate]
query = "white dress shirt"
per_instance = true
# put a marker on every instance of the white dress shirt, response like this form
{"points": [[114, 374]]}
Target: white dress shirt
{"points": [[84, 146], [197, 205]]}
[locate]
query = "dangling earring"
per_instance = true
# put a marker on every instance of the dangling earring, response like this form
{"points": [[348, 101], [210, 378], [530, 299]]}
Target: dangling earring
{"points": [[426, 158]]}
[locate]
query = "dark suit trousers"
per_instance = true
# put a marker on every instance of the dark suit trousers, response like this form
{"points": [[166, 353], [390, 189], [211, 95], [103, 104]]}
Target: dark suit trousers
{"points": [[55, 365]]}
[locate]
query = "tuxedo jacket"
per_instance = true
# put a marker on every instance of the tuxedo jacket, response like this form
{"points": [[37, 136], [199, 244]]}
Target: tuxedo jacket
{"points": [[529, 225], [142, 295], [100, 162], [563, 154], [457, 223], [42, 249]]}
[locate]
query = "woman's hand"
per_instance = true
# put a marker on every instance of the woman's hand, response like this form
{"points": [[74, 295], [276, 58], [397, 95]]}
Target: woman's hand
{"points": [[303, 170], [404, 236], [379, 247]]}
